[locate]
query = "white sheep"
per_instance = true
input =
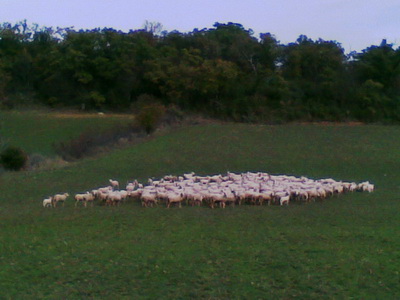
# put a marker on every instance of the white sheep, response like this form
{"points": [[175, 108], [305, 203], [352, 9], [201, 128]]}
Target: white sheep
{"points": [[114, 198], [60, 198], [81, 198], [48, 202], [89, 199], [149, 196], [252, 188], [284, 200], [174, 198], [114, 184]]}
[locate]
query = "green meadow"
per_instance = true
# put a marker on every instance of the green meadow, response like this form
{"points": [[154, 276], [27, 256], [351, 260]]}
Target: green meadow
{"points": [[345, 247]]}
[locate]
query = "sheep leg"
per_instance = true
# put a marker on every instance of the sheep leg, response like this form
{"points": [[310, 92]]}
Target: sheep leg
{"points": [[213, 203]]}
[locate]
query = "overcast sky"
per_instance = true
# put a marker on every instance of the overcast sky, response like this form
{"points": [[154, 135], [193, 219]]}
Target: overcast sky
{"points": [[356, 24]]}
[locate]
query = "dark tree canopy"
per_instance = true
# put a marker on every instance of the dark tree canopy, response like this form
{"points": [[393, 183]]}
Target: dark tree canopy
{"points": [[223, 71]]}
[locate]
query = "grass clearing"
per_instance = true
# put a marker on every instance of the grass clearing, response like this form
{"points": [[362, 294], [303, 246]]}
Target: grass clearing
{"points": [[345, 247]]}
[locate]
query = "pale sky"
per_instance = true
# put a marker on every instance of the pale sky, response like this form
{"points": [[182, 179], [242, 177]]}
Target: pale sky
{"points": [[356, 24]]}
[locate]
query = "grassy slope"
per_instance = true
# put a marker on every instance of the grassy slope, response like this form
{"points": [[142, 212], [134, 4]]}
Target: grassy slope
{"points": [[344, 247], [36, 131]]}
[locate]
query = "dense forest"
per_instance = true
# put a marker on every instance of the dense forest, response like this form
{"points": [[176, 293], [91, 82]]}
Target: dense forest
{"points": [[223, 71]]}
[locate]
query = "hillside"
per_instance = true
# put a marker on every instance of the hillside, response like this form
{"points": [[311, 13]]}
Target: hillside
{"points": [[344, 247]]}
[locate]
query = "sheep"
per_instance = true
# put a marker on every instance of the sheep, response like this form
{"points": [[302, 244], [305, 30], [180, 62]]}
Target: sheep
{"points": [[114, 198], [101, 196], [148, 197], [174, 198], [89, 199], [230, 197], [197, 199], [366, 187], [149, 200], [135, 194], [60, 198], [219, 198], [105, 189], [48, 202], [265, 196], [369, 188], [252, 188], [284, 199], [130, 187], [124, 194], [114, 184], [189, 175], [81, 198]]}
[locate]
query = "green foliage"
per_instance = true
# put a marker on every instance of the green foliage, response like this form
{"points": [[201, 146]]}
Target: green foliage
{"points": [[217, 71], [150, 114], [13, 158]]}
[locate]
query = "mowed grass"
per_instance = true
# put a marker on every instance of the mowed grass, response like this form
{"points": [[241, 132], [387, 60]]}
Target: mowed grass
{"points": [[344, 247]]}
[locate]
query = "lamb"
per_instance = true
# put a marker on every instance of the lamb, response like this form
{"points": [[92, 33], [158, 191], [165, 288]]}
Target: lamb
{"points": [[114, 184], [284, 200], [48, 202], [60, 198]]}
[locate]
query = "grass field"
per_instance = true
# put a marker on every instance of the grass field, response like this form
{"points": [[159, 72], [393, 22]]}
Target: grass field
{"points": [[36, 131], [345, 247]]}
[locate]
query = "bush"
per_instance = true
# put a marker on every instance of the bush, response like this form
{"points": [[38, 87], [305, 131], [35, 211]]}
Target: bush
{"points": [[13, 158], [173, 115], [150, 116]]}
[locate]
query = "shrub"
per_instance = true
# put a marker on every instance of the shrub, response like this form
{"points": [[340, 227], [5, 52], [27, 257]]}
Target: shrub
{"points": [[173, 115], [150, 116], [13, 158]]}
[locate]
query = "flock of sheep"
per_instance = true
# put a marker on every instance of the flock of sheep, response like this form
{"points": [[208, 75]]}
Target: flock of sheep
{"points": [[217, 190]]}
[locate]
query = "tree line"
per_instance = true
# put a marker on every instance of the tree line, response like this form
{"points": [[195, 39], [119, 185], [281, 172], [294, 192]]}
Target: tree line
{"points": [[223, 71]]}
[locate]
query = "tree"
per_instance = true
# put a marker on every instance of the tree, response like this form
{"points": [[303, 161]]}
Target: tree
{"points": [[380, 64], [316, 68], [153, 27]]}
